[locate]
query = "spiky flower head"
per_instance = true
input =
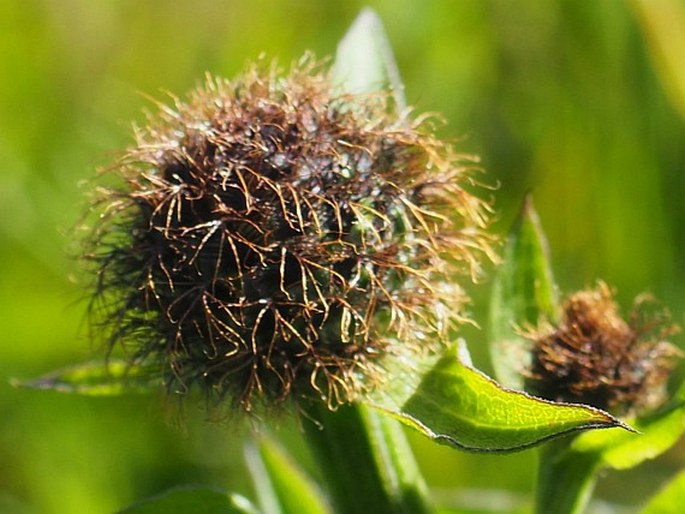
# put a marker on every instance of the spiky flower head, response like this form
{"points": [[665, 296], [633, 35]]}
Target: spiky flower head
{"points": [[596, 357], [272, 238]]}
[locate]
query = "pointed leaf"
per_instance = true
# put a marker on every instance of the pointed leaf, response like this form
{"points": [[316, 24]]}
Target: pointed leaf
{"points": [[670, 499], [458, 405], [364, 62], [655, 434], [522, 293], [195, 500], [96, 378], [281, 485]]}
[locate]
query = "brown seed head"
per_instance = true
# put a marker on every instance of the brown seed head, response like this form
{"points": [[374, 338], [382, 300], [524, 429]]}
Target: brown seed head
{"points": [[274, 239], [596, 357]]}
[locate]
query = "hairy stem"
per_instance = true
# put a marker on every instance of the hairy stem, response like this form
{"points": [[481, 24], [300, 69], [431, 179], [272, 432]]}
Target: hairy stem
{"points": [[565, 479], [366, 460]]}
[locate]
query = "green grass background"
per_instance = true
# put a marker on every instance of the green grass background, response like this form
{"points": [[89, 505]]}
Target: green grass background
{"points": [[561, 98]]}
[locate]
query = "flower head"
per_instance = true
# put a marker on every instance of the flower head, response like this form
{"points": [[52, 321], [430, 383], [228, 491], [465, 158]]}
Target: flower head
{"points": [[596, 357], [271, 238]]}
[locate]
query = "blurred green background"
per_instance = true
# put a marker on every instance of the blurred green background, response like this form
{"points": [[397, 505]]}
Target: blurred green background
{"points": [[572, 100]]}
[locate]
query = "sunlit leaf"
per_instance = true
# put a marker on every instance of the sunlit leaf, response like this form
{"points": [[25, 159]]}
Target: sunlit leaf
{"points": [[364, 62], [96, 378], [670, 499], [195, 500], [656, 433], [571, 468], [282, 487], [522, 293], [457, 405]]}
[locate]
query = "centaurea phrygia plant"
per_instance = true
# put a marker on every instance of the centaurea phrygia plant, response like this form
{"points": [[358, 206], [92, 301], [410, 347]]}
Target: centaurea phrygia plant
{"points": [[296, 241]]}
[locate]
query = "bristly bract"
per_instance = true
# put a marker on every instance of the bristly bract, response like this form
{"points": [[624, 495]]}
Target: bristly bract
{"points": [[272, 238]]}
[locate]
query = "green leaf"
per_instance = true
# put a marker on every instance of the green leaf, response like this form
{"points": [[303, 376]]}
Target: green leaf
{"points": [[195, 500], [656, 433], [567, 472], [522, 293], [96, 378], [457, 405], [670, 499], [573, 467], [282, 487], [364, 62]]}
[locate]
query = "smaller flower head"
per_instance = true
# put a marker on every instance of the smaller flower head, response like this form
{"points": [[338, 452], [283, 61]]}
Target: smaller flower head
{"points": [[271, 238], [594, 356]]}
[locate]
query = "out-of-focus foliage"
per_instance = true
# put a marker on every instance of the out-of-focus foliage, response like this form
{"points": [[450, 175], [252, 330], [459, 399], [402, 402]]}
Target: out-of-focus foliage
{"points": [[669, 499], [523, 293], [663, 24], [558, 97]]}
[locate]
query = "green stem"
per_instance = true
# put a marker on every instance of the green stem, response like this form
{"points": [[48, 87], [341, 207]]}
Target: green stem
{"points": [[366, 460], [565, 479]]}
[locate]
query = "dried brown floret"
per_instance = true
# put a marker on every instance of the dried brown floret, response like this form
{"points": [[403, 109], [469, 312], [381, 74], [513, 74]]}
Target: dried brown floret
{"points": [[273, 237], [596, 357]]}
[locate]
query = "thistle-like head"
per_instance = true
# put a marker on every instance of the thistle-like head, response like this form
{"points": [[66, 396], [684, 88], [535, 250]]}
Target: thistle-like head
{"points": [[271, 238], [595, 356]]}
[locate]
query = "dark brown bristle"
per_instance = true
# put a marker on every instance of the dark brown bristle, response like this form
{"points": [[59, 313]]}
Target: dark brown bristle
{"points": [[596, 357], [272, 238]]}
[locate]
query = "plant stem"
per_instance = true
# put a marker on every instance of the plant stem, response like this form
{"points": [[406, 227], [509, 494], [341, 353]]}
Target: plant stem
{"points": [[366, 460], [565, 479]]}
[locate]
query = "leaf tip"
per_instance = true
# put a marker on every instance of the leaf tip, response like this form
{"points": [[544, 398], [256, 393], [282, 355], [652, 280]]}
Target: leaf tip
{"points": [[367, 19], [626, 426], [364, 61], [528, 211]]}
